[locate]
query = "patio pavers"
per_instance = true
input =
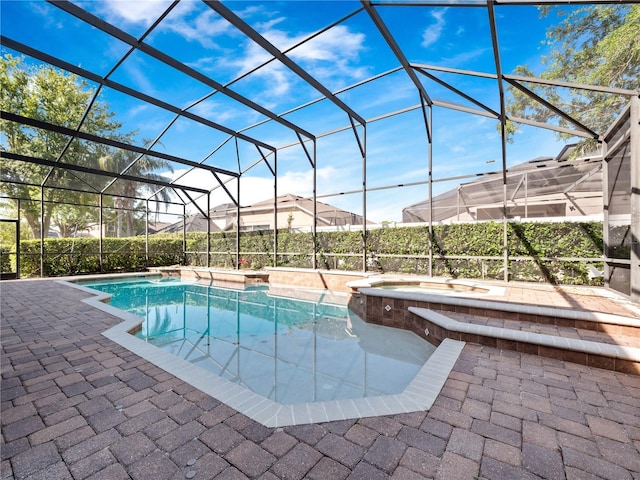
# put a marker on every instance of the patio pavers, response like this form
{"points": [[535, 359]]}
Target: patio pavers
{"points": [[586, 298], [77, 406]]}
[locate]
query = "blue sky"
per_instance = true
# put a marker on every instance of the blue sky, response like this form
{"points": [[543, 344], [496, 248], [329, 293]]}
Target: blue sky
{"points": [[344, 55]]}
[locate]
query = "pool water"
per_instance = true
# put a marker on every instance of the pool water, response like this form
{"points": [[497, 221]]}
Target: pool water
{"points": [[420, 289], [286, 349]]}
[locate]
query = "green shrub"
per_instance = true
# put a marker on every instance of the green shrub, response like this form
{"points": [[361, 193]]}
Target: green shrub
{"points": [[538, 252], [6, 263], [68, 256]]}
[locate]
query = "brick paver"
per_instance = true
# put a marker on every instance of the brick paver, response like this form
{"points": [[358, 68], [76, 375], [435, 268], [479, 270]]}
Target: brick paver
{"points": [[77, 406]]}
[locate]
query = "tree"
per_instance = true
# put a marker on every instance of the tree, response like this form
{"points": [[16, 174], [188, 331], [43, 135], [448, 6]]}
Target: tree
{"points": [[46, 94], [72, 220], [595, 45], [50, 95], [126, 190]]}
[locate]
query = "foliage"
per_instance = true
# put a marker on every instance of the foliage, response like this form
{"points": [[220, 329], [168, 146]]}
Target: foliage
{"points": [[68, 256], [593, 45], [5, 259], [72, 220], [7, 246], [125, 190], [540, 252], [406, 250], [47, 94]]}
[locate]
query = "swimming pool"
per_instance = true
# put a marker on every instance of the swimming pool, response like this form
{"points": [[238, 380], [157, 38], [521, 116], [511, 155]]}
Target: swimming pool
{"points": [[289, 350]]}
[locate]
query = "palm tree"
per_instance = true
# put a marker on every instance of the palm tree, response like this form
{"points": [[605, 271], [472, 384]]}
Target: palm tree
{"points": [[126, 191]]}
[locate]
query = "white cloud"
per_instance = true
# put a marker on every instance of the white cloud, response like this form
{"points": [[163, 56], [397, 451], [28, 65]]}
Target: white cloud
{"points": [[463, 58], [204, 63], [183, 19], [44, 10], [433, 31], [255, 189], [276, 77], [330, 57], [214, 111], [339, 44], [141, 11], [269, 24], [138, 110], [206, 26], [333, 55], [136, 74]]}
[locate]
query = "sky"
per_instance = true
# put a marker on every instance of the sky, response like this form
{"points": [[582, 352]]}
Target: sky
{"points": [[351, 51]]}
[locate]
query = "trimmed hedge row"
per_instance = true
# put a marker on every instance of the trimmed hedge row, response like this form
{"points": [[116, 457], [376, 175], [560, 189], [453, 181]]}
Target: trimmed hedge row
{"points": [[403, 249], [66, 256], [5, 261]]}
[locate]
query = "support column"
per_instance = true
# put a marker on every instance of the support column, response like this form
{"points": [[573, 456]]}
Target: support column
{"points": [[430, 152], [237, 227], [526, 195], [275, 208], [101, 229], [184, 234], [42, 235], [606, 195], [364, 199], [503, 134], [146, 233], [505, 233], [209, 229], [315, 207], [635, 199], [18, 242]]}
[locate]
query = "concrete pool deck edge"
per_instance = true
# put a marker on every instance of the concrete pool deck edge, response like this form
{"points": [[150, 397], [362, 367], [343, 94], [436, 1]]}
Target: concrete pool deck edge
{"points": [[419, 395]]}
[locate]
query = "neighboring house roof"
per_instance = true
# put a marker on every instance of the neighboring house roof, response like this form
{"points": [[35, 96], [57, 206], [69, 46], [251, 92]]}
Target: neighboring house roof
{"points": [[535, 179], [155, 227], [223, 210], [326, 214], [194, 223]]}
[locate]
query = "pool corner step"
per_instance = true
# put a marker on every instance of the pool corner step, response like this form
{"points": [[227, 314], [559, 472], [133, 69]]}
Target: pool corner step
{"points": [[596, 354]]}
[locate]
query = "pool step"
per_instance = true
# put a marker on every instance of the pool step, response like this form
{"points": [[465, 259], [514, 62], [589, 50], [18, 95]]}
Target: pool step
{"points": [[616, 346], [599, 332]]}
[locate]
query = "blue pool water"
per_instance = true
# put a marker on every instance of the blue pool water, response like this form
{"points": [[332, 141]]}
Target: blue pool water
{"points": [[290, 350]]}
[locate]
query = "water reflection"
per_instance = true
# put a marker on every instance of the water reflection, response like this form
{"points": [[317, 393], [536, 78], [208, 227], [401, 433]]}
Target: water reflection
{"points": [[289, 350]]}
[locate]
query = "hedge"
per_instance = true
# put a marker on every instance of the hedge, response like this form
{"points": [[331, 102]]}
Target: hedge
{"points": [[540, 252], [5, 260], [67, 256]]}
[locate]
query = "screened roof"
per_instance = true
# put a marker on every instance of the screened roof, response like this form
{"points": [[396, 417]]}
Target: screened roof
{"points": [[326, 98], [530, 182]]}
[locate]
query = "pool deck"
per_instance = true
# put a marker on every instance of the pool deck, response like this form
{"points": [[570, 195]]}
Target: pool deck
{"points": [[76, 405]]}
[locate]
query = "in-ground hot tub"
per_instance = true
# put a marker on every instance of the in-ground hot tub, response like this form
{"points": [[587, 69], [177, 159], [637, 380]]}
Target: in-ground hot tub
{"points": [[385, 300], [427, 286]]}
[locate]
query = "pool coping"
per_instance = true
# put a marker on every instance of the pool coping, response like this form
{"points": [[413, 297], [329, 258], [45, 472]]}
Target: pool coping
{"points": [[419, 395]]}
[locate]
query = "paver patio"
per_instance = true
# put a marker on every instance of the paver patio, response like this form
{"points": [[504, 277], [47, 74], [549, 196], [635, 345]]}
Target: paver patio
{"points": [[77, 406]]}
